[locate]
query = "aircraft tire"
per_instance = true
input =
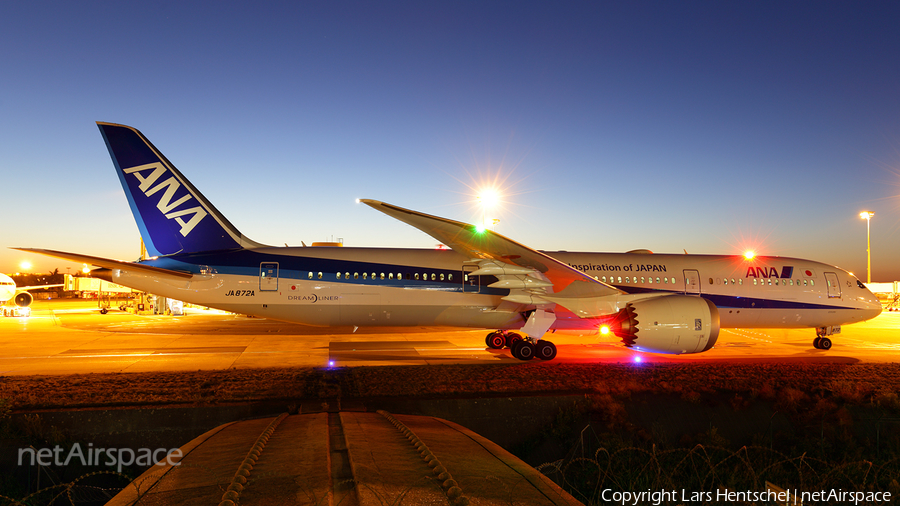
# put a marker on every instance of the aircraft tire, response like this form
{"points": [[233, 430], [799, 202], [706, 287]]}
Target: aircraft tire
{"points": [[817, 343], [104, 311], [523, 350], [512, 338], [824, 343], [495, 340], [545, 350]]}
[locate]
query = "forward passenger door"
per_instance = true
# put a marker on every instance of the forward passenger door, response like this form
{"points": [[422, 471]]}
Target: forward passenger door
{"points": [[691, 282], [834, 285]]}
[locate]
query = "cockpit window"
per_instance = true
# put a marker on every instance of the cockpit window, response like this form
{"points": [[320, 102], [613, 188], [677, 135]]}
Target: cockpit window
{"points": [[860, 284]]}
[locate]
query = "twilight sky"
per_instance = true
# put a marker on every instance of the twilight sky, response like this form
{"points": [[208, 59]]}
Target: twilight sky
{"points": [[710, 127]]}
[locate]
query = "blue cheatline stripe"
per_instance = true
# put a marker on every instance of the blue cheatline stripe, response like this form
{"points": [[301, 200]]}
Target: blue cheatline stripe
{"points": [[291, 267], [736, 302]]}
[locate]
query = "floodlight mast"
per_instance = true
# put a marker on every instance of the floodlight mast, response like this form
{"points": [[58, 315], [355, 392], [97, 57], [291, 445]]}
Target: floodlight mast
{"points": [[867, 215]]}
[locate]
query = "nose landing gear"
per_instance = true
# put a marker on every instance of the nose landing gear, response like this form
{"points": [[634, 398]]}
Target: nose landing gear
{"points": [[822, 341]]}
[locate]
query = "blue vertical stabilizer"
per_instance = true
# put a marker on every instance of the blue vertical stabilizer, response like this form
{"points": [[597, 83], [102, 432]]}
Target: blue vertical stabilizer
{"points": [[172, 215]]}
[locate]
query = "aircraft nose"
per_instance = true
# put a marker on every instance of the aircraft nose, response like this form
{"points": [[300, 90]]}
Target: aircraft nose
{"points": [[872, 305]]}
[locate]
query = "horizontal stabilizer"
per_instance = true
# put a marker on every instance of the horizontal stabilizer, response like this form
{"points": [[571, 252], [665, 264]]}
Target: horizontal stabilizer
{"points": [[110, 263]]}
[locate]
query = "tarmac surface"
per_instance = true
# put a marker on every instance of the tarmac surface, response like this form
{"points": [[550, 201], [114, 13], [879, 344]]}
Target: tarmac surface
{"points": [[67, 337]]}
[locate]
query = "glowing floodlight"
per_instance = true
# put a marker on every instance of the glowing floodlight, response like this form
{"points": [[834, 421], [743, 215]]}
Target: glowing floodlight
{"points": [[490, 199], [867, 215]]}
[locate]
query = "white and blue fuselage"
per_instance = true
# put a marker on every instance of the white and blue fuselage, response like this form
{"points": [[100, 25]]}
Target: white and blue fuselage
{"points": [[331, 286], [661, 303]]}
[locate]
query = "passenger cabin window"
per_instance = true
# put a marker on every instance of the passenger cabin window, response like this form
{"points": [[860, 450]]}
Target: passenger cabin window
{"points": [[310, 275], [339, 275]]}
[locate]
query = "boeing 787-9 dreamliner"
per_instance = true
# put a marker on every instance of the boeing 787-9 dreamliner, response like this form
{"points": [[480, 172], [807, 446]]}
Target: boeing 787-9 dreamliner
{"points": [[654, 303]]}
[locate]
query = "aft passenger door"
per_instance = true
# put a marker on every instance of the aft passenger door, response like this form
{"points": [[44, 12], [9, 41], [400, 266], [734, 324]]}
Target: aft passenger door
{"points": [[691, 282], [268, 277], [834, 285]]}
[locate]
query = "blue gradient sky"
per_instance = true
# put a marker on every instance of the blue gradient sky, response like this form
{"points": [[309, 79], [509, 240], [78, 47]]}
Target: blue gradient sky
{"points": [[705, 126]]}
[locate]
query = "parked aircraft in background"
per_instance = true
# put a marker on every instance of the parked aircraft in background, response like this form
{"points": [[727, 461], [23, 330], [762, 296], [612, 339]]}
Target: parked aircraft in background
{"points": [[21, 299], [655, 303]]}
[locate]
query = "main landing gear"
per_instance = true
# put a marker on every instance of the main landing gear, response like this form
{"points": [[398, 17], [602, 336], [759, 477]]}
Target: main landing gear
{"points": [[522, 348]]}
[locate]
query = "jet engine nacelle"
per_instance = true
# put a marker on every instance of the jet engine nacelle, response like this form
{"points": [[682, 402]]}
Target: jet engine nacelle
{"points": [[670, 324], [23, 299]]}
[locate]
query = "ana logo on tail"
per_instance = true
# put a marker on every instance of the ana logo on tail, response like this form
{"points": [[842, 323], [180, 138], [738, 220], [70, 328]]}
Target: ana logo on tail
{"points": [[165, 203]]}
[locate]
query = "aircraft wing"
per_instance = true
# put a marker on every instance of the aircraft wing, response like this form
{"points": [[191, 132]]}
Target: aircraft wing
{"points": [[110, 263], [479, 244]]}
